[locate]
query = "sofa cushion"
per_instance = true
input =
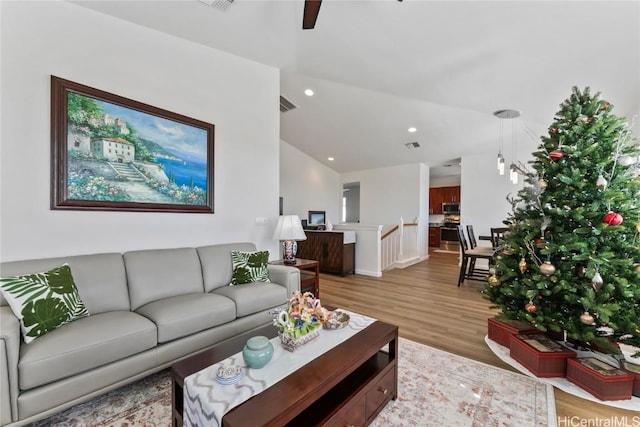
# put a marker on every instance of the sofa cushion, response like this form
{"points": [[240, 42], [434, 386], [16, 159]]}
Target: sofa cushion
{"points": [[82, 345], [249, 267], [216, 263], [254, 297], [43, 301], [156, 274], [184, 315]]}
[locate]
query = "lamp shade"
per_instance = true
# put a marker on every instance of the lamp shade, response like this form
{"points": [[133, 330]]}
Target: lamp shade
{"points": [[289, 228]]}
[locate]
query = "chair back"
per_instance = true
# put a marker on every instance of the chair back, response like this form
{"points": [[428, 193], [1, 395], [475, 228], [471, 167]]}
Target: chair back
{"points": [[463, 241], [497, 234], [472, 237]]}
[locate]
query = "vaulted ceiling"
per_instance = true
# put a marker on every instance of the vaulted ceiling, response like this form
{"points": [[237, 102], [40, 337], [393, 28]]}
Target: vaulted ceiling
{"points": [[443, 67]]}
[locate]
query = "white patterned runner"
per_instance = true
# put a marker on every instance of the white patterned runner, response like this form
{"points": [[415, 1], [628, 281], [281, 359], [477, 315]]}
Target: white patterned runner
{"points": [[206, 400]]}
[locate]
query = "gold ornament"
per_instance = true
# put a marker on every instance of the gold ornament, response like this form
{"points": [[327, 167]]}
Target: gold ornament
{"points": [[636, 268], [638, 226], [586, 318], [542, 183], [493, 280], [597, 282], [547, 268], [522, 265]]}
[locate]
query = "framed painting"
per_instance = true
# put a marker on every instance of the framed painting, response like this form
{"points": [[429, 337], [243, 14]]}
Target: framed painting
{"points": [[113, 153]]}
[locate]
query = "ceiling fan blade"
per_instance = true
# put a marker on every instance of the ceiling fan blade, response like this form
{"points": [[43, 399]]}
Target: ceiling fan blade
{"points": [[311, 9]]}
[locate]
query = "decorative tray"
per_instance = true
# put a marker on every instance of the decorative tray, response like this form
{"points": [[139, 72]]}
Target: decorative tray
{"points": [[229, 374], [336, 320]]}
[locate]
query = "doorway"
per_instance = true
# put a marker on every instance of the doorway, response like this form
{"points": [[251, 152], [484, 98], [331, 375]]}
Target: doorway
{"points": [[351, 202]]}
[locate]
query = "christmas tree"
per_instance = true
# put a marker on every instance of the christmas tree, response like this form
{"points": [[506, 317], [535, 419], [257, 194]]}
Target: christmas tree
{"points": [[570, 262]]}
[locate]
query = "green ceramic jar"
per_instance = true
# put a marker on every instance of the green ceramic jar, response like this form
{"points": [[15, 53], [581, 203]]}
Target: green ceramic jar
{"points": [[257, 352]]}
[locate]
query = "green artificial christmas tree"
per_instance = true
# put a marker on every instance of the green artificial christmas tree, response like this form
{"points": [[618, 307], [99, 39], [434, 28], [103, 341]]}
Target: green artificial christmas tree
{"points": [[570, 262]]}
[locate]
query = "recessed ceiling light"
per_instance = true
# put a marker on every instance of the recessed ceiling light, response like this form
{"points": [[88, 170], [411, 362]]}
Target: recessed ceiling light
{"points": [[412, 129], [331, 159], [308, 92]]}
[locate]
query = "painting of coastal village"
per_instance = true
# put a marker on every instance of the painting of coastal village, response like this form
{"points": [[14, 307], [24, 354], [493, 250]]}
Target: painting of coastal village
{"points": [[120, 154]]}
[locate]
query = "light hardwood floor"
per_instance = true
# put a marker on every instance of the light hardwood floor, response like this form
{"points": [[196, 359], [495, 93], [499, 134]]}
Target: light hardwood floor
{"points": [[428, 307]]}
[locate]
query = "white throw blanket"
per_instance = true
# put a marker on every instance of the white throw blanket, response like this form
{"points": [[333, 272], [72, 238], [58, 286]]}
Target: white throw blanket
{"points": [[206, 400]]}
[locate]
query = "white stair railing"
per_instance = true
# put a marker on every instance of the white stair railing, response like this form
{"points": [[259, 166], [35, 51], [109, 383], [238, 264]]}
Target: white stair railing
{"points": [[399, 245]]}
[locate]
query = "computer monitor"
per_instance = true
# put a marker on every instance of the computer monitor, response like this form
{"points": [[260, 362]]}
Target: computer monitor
{"points": [[317, 217]]}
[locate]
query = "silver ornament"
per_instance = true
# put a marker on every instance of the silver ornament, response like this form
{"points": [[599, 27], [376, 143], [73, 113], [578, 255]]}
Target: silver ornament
{"points": [[597, 282], [601, 183]]}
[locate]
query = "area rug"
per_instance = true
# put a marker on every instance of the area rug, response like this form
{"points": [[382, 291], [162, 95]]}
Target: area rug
{"points": [[435, 388]]}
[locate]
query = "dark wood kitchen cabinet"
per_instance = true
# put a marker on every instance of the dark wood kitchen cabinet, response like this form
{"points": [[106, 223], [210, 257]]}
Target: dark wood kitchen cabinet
{"points": [[440, 195], [451, 194], [435, 201], [330, 250], [434, 237]]}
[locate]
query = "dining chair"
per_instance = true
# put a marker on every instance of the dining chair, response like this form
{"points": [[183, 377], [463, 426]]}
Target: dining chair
{"points": [[497, 234], [472, 237], [468, 268]]}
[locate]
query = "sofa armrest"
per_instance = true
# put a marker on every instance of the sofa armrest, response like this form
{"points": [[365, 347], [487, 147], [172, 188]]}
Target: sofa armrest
{"points": [[286, 276], [11, 340]]}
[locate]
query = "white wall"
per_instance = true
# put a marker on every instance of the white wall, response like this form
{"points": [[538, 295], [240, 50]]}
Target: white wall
{"points": [[236, 95], [308, 185], [445, 181], [484, 191], [386, 194]]}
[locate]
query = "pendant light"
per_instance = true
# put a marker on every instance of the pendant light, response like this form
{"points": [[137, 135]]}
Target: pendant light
{"points": [[513, 170]]}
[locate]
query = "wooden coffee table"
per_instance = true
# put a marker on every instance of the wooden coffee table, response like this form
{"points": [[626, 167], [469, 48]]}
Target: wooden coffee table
{"points": [[348, 385]]}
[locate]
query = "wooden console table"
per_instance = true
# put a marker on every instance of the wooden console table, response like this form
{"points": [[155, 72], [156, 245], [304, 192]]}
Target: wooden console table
{"points": [[332, 249], [309, 274]]}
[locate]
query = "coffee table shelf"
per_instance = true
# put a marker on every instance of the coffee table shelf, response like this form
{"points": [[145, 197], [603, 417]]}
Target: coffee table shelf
{"points": [[357, 399]]}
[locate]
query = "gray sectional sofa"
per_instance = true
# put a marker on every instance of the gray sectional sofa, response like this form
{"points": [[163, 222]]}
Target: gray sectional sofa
{"points": [[148, 309]]}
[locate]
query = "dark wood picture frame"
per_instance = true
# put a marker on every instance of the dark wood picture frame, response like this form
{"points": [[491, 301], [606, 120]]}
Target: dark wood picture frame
{"points": [[116, 154]]}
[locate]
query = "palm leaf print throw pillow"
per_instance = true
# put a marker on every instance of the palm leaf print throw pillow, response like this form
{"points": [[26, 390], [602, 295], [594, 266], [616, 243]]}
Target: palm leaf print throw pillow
{"points": [[249, 267], [43, 301]]}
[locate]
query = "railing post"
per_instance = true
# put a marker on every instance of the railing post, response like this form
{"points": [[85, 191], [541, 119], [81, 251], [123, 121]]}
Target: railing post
{"points": [[401, 229]]}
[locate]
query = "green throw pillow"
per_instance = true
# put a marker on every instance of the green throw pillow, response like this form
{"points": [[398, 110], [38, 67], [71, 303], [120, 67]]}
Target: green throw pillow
{"points": [[43, 301], [249, 267]]}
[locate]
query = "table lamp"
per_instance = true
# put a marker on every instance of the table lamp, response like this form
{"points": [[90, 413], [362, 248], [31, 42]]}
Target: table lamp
{"points": [[288, 230]]}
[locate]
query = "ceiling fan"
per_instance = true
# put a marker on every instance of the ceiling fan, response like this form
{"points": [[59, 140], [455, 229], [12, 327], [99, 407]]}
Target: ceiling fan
{"points": [[311, 9]]}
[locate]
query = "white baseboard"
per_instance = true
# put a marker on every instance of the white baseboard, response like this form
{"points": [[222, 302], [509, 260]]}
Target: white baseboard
{"points": [[369, 273], [408, 262]]}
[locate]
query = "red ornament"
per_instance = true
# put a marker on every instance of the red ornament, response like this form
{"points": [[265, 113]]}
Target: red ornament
{"points": [[607, 105], [554, 130], [612, 218], [556, 155], [531, 307]]}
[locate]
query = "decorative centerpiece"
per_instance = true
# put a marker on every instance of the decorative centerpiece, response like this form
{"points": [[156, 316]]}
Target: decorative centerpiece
{"points": [[301, 321]]}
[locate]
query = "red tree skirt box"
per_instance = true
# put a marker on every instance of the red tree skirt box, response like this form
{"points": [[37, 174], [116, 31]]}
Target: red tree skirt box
{"points": [[604, 381], [540, 355], [635, 371], [500, 330]]}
